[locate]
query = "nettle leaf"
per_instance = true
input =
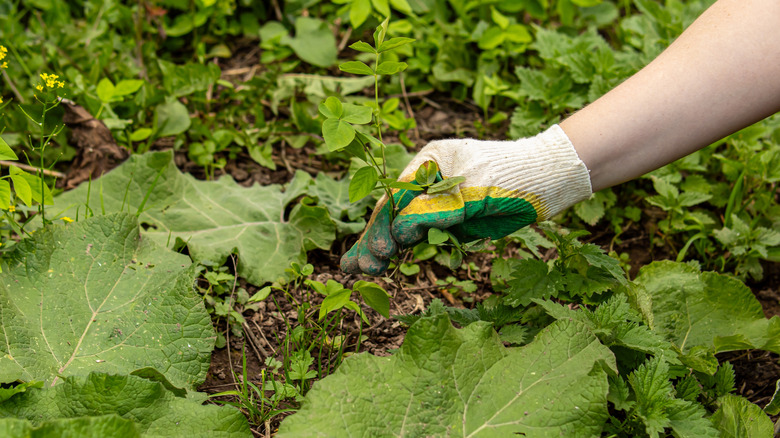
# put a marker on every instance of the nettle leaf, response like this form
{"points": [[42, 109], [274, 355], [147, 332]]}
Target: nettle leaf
{"points": [[363, 183], [532, 279], [93, 295], [449, 382], [214, 218], [737, 417], [693, 308], [116, 406]]}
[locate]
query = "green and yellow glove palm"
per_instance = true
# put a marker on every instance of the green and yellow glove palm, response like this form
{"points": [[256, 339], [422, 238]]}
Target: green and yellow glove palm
{"points": [[508, 185]]}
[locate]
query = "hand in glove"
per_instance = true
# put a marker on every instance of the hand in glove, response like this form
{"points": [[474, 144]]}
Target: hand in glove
{"points": [[508, 185]]}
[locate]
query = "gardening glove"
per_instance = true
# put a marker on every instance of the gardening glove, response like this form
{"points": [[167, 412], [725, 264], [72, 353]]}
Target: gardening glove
{"points": [[508, 185]]}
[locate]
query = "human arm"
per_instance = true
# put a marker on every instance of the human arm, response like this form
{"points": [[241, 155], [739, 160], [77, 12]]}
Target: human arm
{"points": [[721, 75]]}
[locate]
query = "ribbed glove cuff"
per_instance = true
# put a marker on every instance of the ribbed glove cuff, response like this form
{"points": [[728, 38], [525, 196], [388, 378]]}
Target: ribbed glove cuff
{"points": [[546, 167]]}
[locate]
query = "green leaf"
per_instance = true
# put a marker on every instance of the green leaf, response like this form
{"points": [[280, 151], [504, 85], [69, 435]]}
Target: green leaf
{"points": [[338, 134], [437, 236], [6, 153], [117, 405], [358, 12], [334, 301], [314, 43], [773, 407], [532, 279], [94, 296], [105, 90], [739, 418], [362, 46], [480, 386], [127, 86], [390, 67], [6, 393], [21, 186], [363, 183], [140, 134], [400, 185], [376, 297], [334, 195], [215, 218], [39, 191], [357, 114], [445, 184], [331, 108], [693, 308], [184, 80], [393, 43], [382, 7], [356, 67], [172, 118], [5, 194]]}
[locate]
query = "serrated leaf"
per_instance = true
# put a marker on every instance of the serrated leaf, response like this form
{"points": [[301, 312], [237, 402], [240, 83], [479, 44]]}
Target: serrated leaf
{"points": [[390, 67], [338, 134], [739, 418], [331, 108], [445, 184], [6, 153], [83, 405], [693, 308], [94, 296], [356, 67], [444, 381], [393, 43], [214, 218], [532, 279]]}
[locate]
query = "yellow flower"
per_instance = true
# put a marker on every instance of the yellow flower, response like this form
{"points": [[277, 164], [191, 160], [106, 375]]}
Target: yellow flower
{"points": [[1, 100], [12, 208], [4, 64], [66, 219], [3, 52], [39, 87]]}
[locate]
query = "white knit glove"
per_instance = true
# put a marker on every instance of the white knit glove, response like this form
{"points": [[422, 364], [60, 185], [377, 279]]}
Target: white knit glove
{"points": [[508, 185]]}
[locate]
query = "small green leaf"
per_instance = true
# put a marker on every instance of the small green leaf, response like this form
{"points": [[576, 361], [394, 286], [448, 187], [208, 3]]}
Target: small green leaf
{"points": [[140, 134], [363, 182], [773, 407], [105, 90], [362, 46], [6, 153], [127, 86], [261, 294], [376, 297], [331, 108], [392, 43], [499, 18], [338, 134], [5, 194], [334, 301], [21, 187], [172, 118], [446, 184], [357, 114], [390, 67], [437, 236], [356, 67], [405, 186]]}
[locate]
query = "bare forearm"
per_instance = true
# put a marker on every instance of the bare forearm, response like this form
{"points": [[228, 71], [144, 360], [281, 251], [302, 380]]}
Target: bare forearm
{"points": [[720, 75]]}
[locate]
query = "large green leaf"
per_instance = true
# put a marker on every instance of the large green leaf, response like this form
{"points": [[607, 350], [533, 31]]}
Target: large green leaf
{"points": [[214, 218], [94, 296], [738, 418], [693, 308], [313, 42], [116, 406], [448, 382]]}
